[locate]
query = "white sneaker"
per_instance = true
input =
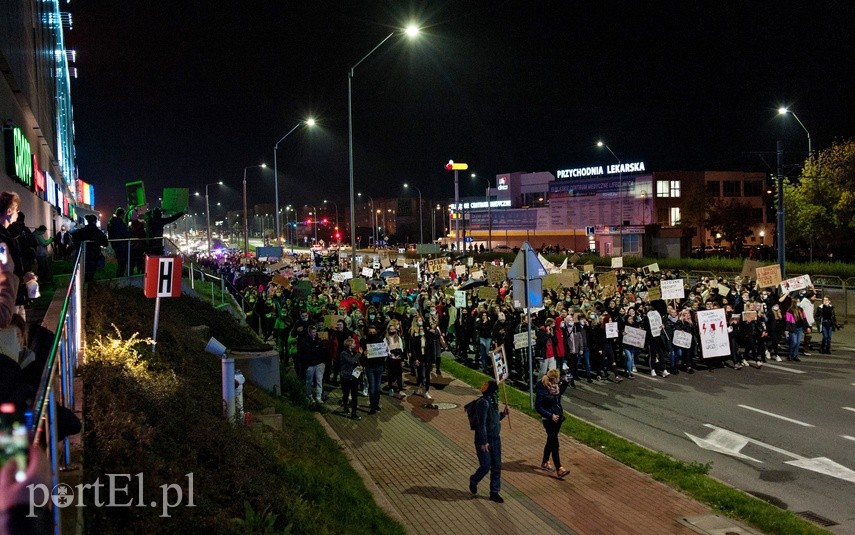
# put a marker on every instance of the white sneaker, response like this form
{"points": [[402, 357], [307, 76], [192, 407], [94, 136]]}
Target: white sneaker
{"points": [[665, 373], [634, 370], [391, 392], [419, 391], [768, 355], [777, 358], [428, 396], [652, 373], [744, 362]]}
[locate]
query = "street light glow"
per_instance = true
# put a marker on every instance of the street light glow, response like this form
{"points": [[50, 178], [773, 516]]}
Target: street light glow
{"points": [[411, 30], [782, 111], [310, 122], [599, 143]]}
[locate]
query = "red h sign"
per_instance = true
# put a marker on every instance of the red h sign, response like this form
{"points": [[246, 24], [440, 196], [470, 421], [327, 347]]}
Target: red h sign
{"points": [[162, 276]]}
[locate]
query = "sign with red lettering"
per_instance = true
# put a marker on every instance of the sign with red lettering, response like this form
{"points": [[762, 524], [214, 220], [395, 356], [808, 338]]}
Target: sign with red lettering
{"points": [[162, 276]]}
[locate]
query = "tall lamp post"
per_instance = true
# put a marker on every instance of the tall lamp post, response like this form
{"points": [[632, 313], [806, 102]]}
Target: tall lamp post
{"points": [[489, 211], [245, 230], [336, 210], [620, 192], [784, 111], [421, 234], [315, 220], [308, 122], [374, 226], [208, 212], [410, 31]]}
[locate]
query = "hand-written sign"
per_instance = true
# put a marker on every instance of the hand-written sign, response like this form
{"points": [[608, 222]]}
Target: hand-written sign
{"points": [[617, 262], [654, 293], [496, 274], [358, 285], [713, 329], [611, 329], [374, 351], [409, 277], [796, 283], [655, 321], [435, 264], [634, 336], [521, 340], [459, 298], [749, 268], [768, 276], [487, 292], [608, 279], [682, 339], [672, 288]]}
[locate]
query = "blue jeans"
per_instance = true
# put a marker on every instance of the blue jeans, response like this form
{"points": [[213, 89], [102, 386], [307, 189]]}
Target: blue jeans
{"points": [[315, 378], [489, 461], [374, 376], [826, 336], [586, 360], [795, 342], [629, 354]]}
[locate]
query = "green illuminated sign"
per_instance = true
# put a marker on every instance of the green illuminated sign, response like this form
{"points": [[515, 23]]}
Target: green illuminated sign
{"points": [[19, 157]]}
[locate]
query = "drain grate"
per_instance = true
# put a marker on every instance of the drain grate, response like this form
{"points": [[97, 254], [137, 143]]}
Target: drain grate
{"points": [[440, 406], [816, 519]]}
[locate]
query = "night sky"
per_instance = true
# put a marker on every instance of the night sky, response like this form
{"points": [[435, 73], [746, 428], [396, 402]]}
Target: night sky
{"points": [[181, 94]]}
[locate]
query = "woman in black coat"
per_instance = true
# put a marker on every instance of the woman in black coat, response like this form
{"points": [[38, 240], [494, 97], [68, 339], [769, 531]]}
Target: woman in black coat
{"points": [[548, 405]]}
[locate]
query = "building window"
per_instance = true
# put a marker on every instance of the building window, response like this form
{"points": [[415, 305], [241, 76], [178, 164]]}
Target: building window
{"points": [[662, 215], [753, 188], [632, 244], [661, 188], [675, 188], [667, 188], [714, 188], [731, 188], [674, 216]]}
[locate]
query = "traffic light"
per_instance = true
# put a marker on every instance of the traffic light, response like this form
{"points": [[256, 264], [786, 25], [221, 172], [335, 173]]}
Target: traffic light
{"points": [[325, 221], [338, 235], [309, 221]]}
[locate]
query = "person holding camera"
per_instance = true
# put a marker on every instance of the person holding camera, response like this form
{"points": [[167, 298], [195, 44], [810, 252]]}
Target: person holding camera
{"points": [[548, 405]]}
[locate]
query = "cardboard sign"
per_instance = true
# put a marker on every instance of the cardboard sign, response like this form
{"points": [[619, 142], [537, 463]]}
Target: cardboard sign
{"points": [[682, 339], [611, 329], [713, 329], [617, 262], [343, 276], [588, 268], [435, 264], [672, 288], [655, 321], [487, 292], [460, 298], [393, 281], [476, 275], [500, 365], [385, 262], [358, 285], [796, 283], [575, 258], [608, 279], [654, 293], [376, 351], [749, 268], [652, 268], [768, 276], [496, 274], [571, 276], [409, 277], [749, 315], [460, 270], [521, 340], [330, 320], [634, 336], [284, 282]]}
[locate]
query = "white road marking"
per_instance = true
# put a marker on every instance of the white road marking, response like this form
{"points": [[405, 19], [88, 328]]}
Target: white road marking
{"points": [[847, 437], [782, 368], [773, 415], [729, 443], [849, 409]]}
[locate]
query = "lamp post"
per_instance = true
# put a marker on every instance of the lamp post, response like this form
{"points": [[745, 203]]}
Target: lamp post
{"points": [[208, 212], [620, 192], [489, 211], [784, 111], [245, 230], [315, 217], [421, 234], [308, 122], [410, 31], [373, 226]]}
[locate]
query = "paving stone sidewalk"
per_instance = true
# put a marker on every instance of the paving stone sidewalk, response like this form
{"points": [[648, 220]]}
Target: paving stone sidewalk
{"points": [[416, 456]]}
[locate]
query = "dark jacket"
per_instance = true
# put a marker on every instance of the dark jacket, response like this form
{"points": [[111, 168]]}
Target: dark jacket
{"points": [[311, 351], [547, 404], [487, 417]]}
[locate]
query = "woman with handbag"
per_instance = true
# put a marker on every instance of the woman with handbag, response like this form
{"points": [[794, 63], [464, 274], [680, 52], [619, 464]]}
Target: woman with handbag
{"points": [[548, 405]]}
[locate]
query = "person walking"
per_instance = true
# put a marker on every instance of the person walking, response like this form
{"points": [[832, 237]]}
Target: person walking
{"points": [[350, 370], [42, 259], [119, 232], [312, 360], [548, 404], [827, 323], [95, 240], [62, 242], [488, 443]]}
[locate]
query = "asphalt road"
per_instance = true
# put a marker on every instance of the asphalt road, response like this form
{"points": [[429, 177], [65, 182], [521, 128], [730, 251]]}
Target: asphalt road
{"points": [[784, 433]]}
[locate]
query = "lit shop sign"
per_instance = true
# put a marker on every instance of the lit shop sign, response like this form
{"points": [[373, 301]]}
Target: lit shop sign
{"points": [[502, 183], [597, 170], [482, 204], [19, 157]]}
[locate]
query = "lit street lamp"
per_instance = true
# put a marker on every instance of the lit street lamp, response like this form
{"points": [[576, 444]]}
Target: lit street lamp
{"points": [[245, 233], [421, 234], [208, 212], [784, 111], [374, 226], [620, 191], [410, 31], [308, 122]]}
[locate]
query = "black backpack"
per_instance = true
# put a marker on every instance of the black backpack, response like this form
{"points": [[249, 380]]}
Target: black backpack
{"points": [[471, 413]]}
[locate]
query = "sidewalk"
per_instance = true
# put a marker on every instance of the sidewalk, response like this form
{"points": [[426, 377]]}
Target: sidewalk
{"points": [[416, 460]]}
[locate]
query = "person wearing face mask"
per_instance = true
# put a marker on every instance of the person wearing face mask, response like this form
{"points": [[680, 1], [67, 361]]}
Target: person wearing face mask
{"points": [[419, 352], [349, 358], [374, 369], [548, 404], [435, 339], [395, 344]]}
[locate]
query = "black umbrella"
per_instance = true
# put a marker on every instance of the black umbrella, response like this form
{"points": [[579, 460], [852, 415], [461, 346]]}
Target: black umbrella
{"points": [[473, 283], [379, 297], [440, 282]]}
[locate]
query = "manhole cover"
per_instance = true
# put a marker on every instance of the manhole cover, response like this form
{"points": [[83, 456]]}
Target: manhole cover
{"points": [[440, 406]]}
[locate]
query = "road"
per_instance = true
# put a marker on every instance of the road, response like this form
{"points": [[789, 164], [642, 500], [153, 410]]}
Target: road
{"points": [[784, 433]]}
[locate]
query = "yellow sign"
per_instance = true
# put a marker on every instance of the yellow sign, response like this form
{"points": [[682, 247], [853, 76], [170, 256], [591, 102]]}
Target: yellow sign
{"points": [[456, 166]]}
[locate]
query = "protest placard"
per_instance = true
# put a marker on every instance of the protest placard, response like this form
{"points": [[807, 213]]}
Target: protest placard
{"points": [[460, 270], [367, 272], [175, 200], [500, 365], [796, 283], [749, 268], [435, 264], [723, 290], [570, 277], [460, 298], [654, 293], [588, 268], [342, 276], [749, 315], [575, 258], [652, 268], [279, 280], [682, 339], [358, 285], [768, 276], [617, 262], [655, 321], [611, 329], [488, 293], [470, 261], [479, 274], [672, 289], [495, 274], [393, 281], [608, 279], [521, 340], [713, 328], [634, 336], [409, 277], [443, 272], [385, 262], [330, 320], [375, 351]]}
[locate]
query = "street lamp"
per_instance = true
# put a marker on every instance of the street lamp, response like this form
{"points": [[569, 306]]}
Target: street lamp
{"points": [[410, 31], [421, 234], [763, 236], [336, 210], [374, 226], [245, 233], [308, 122], [620, 191], [489, 211], [315, 216], [784, 111], [208, 212]]}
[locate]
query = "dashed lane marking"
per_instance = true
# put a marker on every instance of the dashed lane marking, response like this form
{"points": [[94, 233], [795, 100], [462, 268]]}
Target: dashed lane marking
{"points": [[773, 415]]}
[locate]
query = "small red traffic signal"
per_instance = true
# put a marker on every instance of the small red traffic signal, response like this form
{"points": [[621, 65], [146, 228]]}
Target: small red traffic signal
{"points": [[325, 221], [309, 221]]}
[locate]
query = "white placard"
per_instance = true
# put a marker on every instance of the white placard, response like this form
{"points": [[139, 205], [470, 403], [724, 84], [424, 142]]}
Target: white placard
{"points": [[521, 340], [634, 336], [672, 289], [470, 261], [655, 321], [342, 276], [476, 275], [611, 329], [378, 350], [367, 272], [460, 270], [500, 365], [796, 283], [713, 329], [682, 339], [617, 262], [460, 298]]}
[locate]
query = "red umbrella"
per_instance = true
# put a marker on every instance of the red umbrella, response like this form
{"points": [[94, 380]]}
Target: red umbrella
{"points": [[350, 301]]}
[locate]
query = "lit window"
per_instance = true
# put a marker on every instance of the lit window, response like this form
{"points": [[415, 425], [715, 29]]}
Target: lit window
{"points": [[675, 188], [674, 216], [662, 188]]}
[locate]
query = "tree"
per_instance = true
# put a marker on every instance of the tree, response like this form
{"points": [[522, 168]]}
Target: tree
{"points": [[821, 206], [728, 218]]}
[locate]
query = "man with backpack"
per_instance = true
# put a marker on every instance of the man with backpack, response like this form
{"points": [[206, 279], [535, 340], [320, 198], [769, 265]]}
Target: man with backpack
{"points": [[484, 418]]}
